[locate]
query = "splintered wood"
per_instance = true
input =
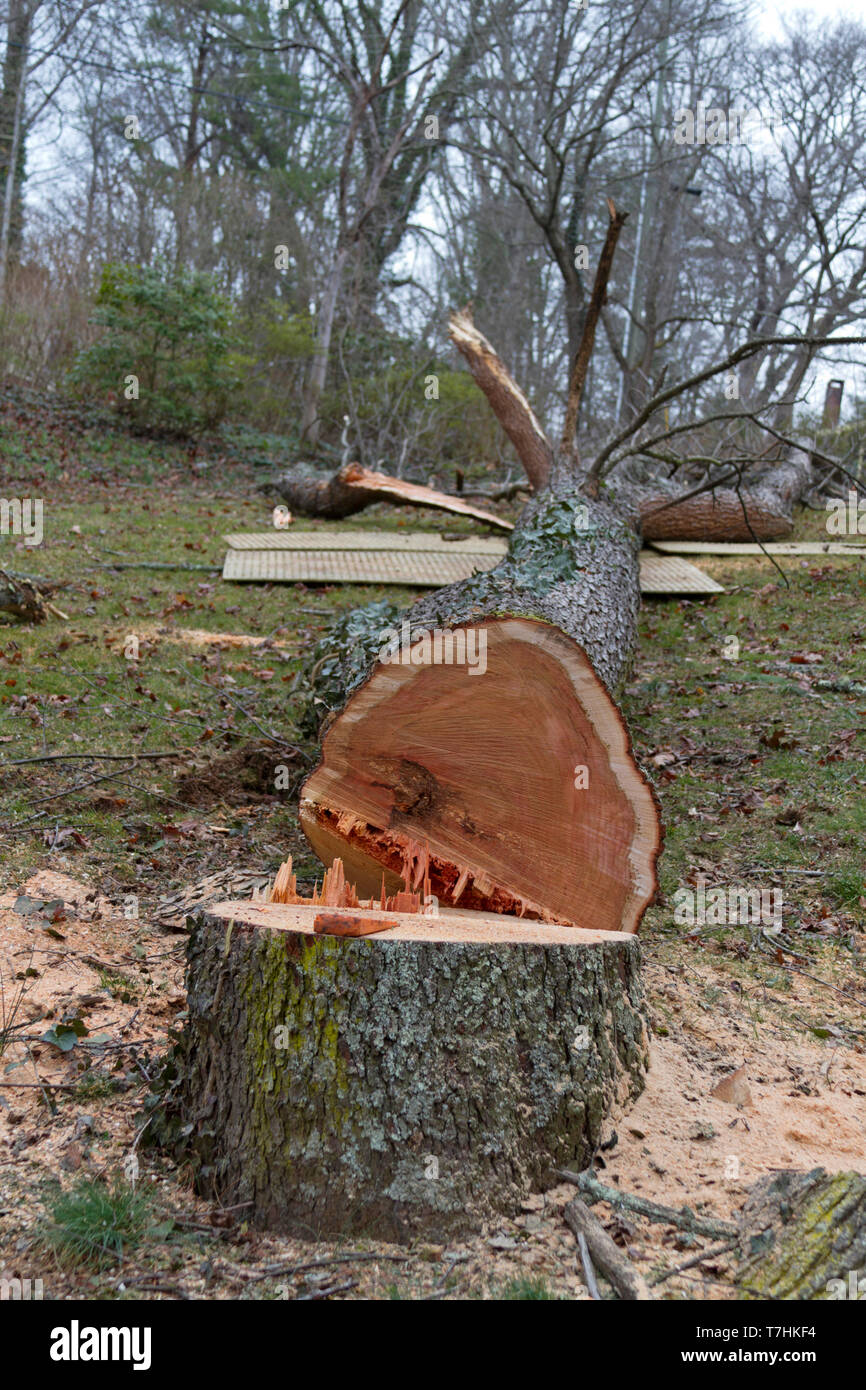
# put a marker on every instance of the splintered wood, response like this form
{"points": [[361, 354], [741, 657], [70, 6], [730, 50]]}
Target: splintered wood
{"points": [[521, 786], [337, 892]]}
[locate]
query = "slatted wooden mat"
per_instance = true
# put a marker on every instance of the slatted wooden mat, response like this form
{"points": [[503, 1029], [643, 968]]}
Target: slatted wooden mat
{"points": [[750, 548], [412, 541], [337, 558], [668, 574], [426, 569]]}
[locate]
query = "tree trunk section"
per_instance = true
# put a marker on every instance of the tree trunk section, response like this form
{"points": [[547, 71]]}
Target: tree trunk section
{"points": [[762, 510], [486, 730], [419, 1081]]}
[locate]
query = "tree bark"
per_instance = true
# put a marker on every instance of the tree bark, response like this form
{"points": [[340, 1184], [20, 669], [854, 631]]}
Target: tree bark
{"points": [[519, 777], [419, 1081], [805, 1230]]}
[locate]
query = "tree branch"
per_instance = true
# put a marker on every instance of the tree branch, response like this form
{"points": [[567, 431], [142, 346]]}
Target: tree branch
{"points": [[568, 446], [507, 401]]}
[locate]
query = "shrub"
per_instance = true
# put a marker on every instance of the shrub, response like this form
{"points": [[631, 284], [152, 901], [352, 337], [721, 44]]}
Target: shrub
{"points": [[165, 351]]}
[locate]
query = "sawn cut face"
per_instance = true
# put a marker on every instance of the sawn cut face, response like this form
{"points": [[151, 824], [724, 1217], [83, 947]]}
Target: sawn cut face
{"points": [[518, 780]]}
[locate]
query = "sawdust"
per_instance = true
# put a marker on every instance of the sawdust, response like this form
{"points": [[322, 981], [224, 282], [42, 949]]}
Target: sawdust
{"points": [[678, 1145], [198, 637]]}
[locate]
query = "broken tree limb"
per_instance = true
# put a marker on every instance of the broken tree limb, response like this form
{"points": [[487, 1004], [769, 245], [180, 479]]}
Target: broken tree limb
{"points": [[420, 1080], [614, 1265], [684, 1220], [350, 489], [598, 298], [508, 402]]}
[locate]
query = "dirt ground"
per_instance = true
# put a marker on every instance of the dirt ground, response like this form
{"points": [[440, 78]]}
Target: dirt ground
{"points": [[80, 1113]]}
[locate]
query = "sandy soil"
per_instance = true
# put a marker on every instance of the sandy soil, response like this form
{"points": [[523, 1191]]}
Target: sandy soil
{"points": [[679, 1145]]}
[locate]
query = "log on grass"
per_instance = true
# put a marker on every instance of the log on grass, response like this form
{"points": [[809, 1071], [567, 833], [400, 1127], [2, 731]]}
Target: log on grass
{"points": [[417, 1081], [352, 488], [490, 734], [762, 509]]}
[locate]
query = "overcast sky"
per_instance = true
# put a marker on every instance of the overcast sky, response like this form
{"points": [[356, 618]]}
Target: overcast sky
{"points": [[772, 12]]}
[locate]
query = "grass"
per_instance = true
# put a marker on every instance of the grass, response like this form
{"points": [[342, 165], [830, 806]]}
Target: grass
{"points": [[758, 761], [95, 1224], [525, 1290], [847, 887]]}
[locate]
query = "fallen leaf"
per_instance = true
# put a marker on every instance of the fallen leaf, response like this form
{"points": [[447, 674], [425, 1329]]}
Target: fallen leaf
{"points": [[733, 1089]]}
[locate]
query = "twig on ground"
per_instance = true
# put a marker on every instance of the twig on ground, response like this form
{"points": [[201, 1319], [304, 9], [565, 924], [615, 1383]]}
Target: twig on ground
{"points": [[614, 1265], [98, 757], [684, 1220], [695, 1260], [588, 1271]]}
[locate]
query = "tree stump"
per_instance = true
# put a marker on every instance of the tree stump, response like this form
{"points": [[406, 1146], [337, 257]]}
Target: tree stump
{"points": [[421, 1080]]}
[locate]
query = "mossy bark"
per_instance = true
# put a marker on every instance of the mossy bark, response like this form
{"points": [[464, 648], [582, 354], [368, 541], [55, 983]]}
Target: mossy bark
{"points": [[390, 1088], [802, 1231], [572, 561]]}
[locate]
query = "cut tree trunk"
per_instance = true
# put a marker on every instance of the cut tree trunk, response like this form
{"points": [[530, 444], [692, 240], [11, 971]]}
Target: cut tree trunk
{"points": [[806, 1237], [421, 1080], [490, 734], [762, 509], [351, 488]]}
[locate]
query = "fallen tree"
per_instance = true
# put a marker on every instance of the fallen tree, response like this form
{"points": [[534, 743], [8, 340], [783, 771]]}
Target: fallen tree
{"points": [[475, 757], [520, 778]]}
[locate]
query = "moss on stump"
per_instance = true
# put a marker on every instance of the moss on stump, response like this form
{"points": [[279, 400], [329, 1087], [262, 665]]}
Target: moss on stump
{"points": [[393, 1087]]}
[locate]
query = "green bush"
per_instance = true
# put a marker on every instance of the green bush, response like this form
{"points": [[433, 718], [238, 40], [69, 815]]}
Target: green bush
{"points": [[165, 354], [279, 343]]}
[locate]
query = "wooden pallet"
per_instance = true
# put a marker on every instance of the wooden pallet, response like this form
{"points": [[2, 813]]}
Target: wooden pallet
{"points": [[750, 548], [416, 560]]}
